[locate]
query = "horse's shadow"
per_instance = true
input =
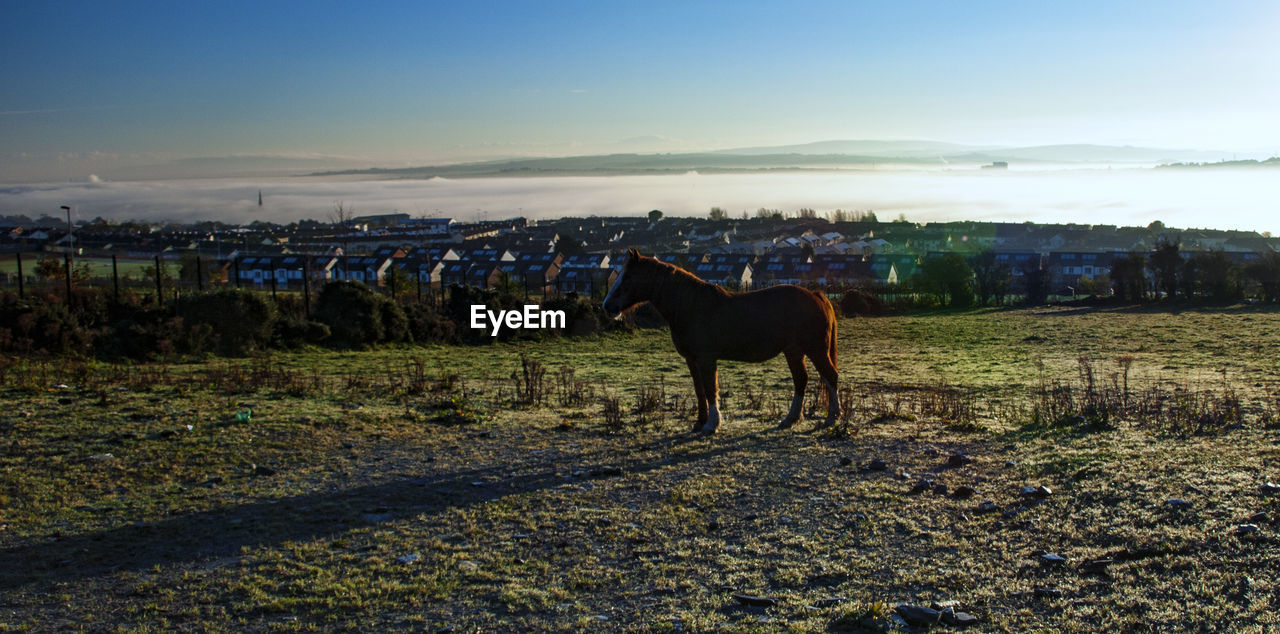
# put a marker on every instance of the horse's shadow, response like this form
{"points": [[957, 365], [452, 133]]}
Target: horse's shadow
{"points": [[207, 537]]}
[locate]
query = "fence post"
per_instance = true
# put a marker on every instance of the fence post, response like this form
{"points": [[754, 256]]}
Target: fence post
{"points": [[115, 278], [66, 260], [21, 287], [199, 274], [273, 288], [306, 287], [235, 262], [159, 290]]}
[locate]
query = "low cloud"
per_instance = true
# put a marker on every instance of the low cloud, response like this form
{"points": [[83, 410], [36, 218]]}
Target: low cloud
{"points": [[1181, 198]]}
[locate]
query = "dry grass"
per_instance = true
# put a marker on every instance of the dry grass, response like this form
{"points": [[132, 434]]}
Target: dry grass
{"points": [[417, 489]]}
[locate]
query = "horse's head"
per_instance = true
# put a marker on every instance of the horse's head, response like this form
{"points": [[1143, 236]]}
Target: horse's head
{"points": [[630, 288]]}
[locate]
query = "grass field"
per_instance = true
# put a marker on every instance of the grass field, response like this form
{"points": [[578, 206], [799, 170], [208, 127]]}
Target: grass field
{"points": [[98, 267], [425, 488]]}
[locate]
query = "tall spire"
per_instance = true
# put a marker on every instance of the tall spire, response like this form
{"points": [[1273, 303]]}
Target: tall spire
{"points": [[259, 197]]}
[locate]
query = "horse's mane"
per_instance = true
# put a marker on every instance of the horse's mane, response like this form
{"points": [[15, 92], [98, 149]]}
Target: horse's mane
{"points": [[680, 281]]}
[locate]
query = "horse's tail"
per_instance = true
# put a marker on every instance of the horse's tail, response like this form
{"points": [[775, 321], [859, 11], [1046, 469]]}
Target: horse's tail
{"points": [[830, 311], [834, 364]]}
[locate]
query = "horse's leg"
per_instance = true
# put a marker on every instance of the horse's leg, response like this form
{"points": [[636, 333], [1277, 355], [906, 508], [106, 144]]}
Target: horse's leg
{"points": [[711, 387], [830, 380], [698, 393], [799, 376]]}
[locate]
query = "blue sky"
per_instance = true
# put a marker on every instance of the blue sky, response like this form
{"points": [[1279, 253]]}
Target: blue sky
{"points": [[91, 85]]}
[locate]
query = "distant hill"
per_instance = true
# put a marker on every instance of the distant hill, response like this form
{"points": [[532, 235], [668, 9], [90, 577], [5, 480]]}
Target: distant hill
{"points": [[820, 156], [917, 149], [635, 164], [1271, 162], [1084, 153]]}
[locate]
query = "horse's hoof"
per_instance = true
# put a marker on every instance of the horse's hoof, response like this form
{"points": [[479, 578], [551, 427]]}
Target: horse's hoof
{"points": [[786, 423], [709, 429]]}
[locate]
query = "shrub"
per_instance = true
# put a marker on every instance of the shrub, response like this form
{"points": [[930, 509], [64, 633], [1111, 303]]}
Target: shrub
{"points": [[458, 310], [44, 324], [582, 316], [240, 321], [356, 317], [428, 325], [395, 324], [858, 302], [294, 332]]}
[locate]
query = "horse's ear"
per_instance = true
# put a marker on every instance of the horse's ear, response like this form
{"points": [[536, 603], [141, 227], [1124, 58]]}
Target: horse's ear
{"points": [[633, 253]]}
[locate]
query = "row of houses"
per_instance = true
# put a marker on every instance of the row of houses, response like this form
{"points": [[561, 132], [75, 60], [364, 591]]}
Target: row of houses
{"points": [[536, 273], [543, 273]]}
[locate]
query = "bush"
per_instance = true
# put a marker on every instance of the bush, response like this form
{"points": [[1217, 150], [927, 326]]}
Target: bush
{"points": [[458, 310], [428, 325], [582, 316], [357, 317], [240, 321], [294, 332], [43, 324], [858, 302]]}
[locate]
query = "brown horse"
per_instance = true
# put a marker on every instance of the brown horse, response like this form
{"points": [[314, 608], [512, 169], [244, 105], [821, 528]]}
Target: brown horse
{"points": [[709, 323]]}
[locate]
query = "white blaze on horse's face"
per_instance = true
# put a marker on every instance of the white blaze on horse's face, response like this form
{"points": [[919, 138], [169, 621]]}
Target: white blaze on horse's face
{"points": [[612, 301]]}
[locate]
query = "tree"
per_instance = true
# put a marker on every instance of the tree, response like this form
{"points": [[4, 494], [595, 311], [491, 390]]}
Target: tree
{"points": [[1166, 263], [341, 214], [51, 267], [1099, 285], [950, 278], [190, 263], [1037, 280], [569, 245], [1128, 274], [1189, 278], [991, 279], [718, 213], [508, 287], [1266, 273], [1219, 277], [397, 281], [655, 216]]}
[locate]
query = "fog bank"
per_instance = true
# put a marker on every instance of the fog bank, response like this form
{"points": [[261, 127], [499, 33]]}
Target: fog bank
{"points": [[1211, 198]]}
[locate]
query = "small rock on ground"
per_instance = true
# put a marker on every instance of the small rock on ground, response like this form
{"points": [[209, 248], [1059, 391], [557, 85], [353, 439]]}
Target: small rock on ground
{"points": [[1038, 493], [918, 615], [754, 600], [958, 619]]}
